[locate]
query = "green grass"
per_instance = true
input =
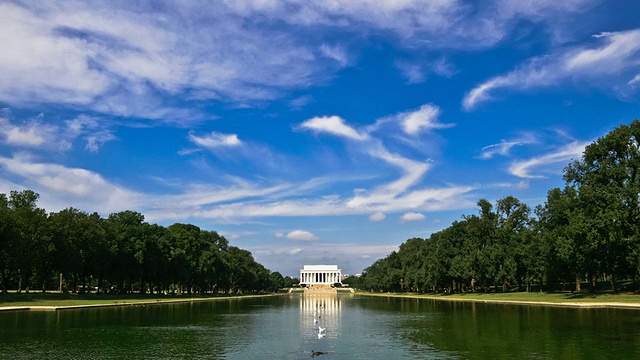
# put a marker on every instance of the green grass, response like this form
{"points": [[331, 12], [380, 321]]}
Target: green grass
{"points": [[13, 299], [583, 297]]}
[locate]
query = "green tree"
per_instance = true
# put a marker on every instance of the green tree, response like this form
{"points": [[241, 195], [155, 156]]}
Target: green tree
{"points": [[67, 239], [30, 247], [8, 238], [514, 226], [608, 186], [412, 254], [289, 281], [184, 256], [276, 281], [562, 228], [384, 274], [126, 241], [480, 238]]}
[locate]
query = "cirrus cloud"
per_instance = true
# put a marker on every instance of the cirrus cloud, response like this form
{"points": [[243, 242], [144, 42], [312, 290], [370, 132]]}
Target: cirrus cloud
{"points": [[524, 168], [611, 64], [423, 118], [333, 125]]}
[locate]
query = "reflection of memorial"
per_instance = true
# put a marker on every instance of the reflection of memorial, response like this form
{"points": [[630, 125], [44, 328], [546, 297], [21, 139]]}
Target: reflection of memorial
{"points": [[328, 303], [320, 310]]}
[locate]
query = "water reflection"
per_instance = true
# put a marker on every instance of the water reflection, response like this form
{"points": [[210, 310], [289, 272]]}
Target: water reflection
{"points": [[320, 311], [482, 331], [357, 327]]}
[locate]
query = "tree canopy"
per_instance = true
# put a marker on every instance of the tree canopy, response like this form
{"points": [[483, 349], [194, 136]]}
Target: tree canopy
{"points": [[76, 251], [587, 231]]}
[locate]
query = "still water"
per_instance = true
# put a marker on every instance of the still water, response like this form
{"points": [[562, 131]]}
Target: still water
{"points": [[357, 327]]}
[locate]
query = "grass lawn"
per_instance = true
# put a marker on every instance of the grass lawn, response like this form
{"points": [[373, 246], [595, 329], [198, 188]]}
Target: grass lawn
{"points": [[13, 299], [557, 297]]}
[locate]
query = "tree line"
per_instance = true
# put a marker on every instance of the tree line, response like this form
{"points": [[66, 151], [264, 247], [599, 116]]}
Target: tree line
{"points": [[586, 232], [74, 251]]}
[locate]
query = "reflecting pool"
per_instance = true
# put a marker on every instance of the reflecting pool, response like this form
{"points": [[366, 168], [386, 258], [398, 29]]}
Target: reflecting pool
{"points": [[357, 327]]}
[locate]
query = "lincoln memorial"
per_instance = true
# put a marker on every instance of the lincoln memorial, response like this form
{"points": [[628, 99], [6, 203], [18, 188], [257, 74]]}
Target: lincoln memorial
{"points": [[320, 275]]}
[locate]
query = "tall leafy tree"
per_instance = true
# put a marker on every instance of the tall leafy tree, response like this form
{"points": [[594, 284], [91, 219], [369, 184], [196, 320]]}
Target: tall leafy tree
{"points": [[126, 241], [513, 233], [570, 252], [607, 181], [412, 254], [67, 239], [8, 232], [30, 247]]}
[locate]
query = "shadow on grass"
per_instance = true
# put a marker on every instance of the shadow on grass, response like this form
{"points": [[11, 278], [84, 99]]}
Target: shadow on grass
{"points": [[35, 298], [13, 297], [566, 295]]}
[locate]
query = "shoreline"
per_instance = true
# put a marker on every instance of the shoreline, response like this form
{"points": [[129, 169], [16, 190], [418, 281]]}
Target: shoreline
{"points": [[449, 298], [121, 303], [574, 304]]}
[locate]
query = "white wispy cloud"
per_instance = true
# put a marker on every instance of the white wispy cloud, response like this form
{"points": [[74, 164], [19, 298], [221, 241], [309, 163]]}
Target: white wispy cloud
{"points": [[414, 73], [447, 198], [32, 134], [57, 69], [216, 139], [412, 122], [97, 140], [539, 10], [103, 54], [235, 198], [301, 235], [184, 152], [423, 118], [403, 192], [65, 186], [194, 196], [239, 235], [387, 193], [412, 216], [336, 53], [618, 51], [92, 129], [609, 64], [504, 146], [521, 185], [62, 186], [37, 133], [378, 216], [333, 125], [501, 148], [562, 156], [417, 72], [121, 58]]}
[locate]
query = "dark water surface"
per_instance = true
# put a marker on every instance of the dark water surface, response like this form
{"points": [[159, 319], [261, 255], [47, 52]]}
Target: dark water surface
{"points": [[358, 327]]}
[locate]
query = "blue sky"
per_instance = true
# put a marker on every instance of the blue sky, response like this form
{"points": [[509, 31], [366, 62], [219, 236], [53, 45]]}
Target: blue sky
{"points": [[323, 132]]}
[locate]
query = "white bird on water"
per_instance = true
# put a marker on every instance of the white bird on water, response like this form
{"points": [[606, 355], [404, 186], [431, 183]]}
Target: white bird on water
{"points": [[321, 330]]}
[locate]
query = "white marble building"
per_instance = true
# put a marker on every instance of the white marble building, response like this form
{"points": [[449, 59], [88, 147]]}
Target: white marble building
{"points": [[320, 275]]}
